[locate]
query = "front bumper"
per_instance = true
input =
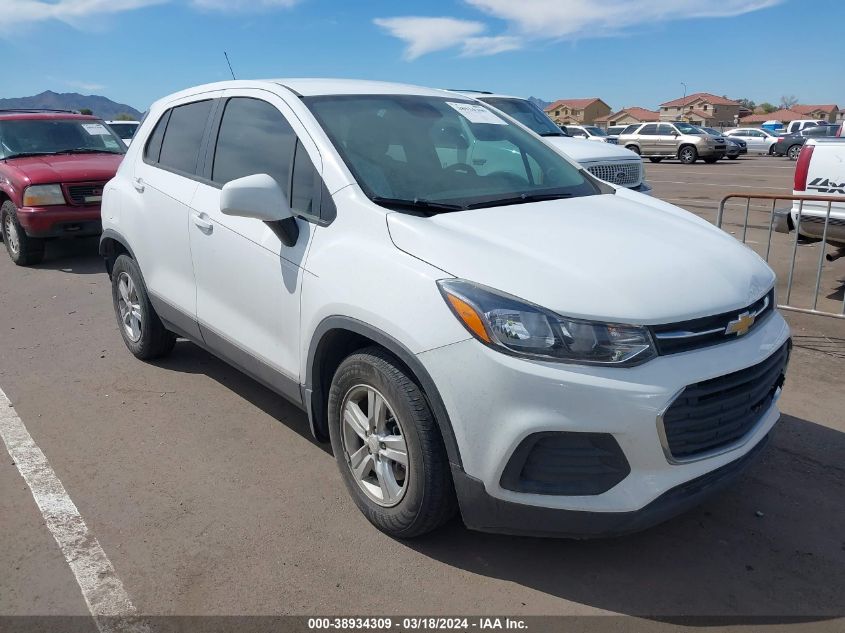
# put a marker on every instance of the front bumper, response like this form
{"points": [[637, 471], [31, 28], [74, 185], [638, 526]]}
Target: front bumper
{"points": [[495, 401], [60, 221]]}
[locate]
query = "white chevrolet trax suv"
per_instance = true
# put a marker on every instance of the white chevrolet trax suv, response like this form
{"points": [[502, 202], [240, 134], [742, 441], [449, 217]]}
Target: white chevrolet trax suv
{"points": [[475, 322]]}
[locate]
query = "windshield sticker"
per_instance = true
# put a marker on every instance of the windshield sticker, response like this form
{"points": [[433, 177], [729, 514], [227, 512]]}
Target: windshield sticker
{"points": [[476, 113], [95, 129]]}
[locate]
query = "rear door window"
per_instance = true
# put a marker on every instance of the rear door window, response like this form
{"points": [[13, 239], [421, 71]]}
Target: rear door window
{"points": [[650, 129], [180, 147]]}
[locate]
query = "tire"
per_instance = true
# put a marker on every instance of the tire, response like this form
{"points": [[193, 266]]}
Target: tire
{"points": [[793, 151], [772, 150], [633, 148], [710, 160], [403, 502], [733, 157], [687, 154], [22, 249], [655, 159], [139, 326]]}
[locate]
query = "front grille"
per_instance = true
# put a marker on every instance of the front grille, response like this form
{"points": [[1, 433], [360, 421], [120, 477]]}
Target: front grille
{"points": [[89, 193], [718, 147], [685, 336], [627, 174], [716, 413]]}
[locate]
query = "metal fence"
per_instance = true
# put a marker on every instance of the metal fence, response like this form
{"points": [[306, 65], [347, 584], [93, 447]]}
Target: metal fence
{"points": [[780, 221]]}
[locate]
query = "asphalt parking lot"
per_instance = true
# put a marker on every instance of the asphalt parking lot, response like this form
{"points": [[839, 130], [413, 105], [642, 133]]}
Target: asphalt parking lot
{"points": [[209, 497]]}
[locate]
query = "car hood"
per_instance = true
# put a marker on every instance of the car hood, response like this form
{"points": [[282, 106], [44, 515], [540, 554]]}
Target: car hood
{"points": [[67, 167], [622, 257], [586, 152]]}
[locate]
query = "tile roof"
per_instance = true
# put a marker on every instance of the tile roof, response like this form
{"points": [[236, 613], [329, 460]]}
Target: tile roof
{"points": [[807, 109], [571, 103], [642, 114], [777, 115], [704, 96]]}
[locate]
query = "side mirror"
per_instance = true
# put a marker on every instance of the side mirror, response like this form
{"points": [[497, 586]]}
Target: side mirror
{"points": [[260, 197]]}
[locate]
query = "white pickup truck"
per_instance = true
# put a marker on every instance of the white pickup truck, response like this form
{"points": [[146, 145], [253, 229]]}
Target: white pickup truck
{"points": [[820, 172]]}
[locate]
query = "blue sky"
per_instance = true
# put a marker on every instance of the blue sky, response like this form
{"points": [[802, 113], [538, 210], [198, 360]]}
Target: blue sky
{"points": [[628, 52]]}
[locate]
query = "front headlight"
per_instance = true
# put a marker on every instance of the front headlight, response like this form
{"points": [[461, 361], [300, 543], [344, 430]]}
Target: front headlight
{"points": [[43, 195], [515, 327]]}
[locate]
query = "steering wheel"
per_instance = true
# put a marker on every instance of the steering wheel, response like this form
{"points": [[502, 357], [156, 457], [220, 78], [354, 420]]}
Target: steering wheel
{"points": [[509, 177], [461, 168]]}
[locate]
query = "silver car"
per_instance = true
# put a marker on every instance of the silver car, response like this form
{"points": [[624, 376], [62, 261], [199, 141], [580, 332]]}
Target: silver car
{"points": [[675, 139]]}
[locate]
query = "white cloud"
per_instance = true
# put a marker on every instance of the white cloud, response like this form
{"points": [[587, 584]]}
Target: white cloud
{"points": [[482, 46], [71, 11], [585, 18], [84, 85], [426, 35], [242, 5]]}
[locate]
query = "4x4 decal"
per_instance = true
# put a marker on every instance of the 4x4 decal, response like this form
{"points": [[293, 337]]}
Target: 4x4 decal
{"points": [[825, 185]]}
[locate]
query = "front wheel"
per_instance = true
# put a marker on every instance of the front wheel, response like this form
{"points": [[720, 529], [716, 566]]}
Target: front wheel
{"points": [[388, 446], [793, 152], [142, 331], [688, 155], [22, 249], [633, 148]]}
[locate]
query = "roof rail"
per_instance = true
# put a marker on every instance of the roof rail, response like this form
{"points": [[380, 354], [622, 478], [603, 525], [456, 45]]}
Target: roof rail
{"points": [[37, 110]]}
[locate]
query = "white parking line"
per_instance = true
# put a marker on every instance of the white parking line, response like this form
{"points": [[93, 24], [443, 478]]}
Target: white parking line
{"points": [[102, 590]]}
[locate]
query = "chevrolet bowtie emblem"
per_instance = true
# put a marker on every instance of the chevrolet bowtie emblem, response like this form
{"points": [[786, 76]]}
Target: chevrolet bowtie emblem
{"points": [[741, 325]]}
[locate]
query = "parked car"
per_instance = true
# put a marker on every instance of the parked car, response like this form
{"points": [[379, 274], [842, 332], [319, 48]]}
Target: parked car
{"points": [[124, 129], [820, 171], [421, 275], [678, 139], [589, 132], [616, 130], [735, 146], [758, 140], [53, 166], [793, 127], [790, 145], [607, 162]]}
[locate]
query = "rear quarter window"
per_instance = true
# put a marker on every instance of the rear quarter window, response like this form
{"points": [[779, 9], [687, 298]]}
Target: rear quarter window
{"points": [[183, 135]]}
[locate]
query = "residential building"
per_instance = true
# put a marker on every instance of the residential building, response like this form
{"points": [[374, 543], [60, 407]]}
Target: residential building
{"points": [[784, 116], [827, 113], [629, 116], [577, 111], [702, 108]]}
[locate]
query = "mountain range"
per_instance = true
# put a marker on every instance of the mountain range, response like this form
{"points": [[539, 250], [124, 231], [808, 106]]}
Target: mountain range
{"points": [[102, 107]]}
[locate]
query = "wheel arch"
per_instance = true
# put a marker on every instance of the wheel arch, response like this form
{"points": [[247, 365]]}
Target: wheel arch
{"points": [[335, 338], [112, 245]]}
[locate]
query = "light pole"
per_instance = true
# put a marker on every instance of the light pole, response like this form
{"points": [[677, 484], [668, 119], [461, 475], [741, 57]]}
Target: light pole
{"points": [[684, 100]]}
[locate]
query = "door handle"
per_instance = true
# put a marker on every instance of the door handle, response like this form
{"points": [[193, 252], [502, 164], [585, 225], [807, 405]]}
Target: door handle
{"points": [[138, 183], [202, 223]]}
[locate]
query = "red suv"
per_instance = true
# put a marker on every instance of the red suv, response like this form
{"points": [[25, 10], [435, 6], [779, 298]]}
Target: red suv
{"points": [[53, 167]]}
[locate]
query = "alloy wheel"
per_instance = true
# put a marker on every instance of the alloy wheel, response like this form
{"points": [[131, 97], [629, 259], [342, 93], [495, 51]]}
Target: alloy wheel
{"points": [[129, 307], [374, 445], [11, 231]]}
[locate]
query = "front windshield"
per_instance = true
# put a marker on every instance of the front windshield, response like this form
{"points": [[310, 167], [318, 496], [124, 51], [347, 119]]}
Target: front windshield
{"points": [[686, 128], [124, 130], [37, 137], [442, 153], [526, 113], [595, 131]]}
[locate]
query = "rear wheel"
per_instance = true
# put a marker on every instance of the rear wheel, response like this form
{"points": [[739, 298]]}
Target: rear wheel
{"points": [[793, 152], [655, 159], [141, 329], [633, 148], [688, 155], [388, 446], [22, 249]]}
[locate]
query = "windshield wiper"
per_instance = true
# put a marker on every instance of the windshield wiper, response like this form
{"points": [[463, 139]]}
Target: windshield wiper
{"points": [[85, 150], [520, 199], [28, 154], [552, 134], [417, 203]]}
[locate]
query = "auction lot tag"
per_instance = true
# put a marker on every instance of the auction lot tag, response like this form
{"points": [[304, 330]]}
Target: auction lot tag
{"points": [[95, 129], [476, 113]]}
